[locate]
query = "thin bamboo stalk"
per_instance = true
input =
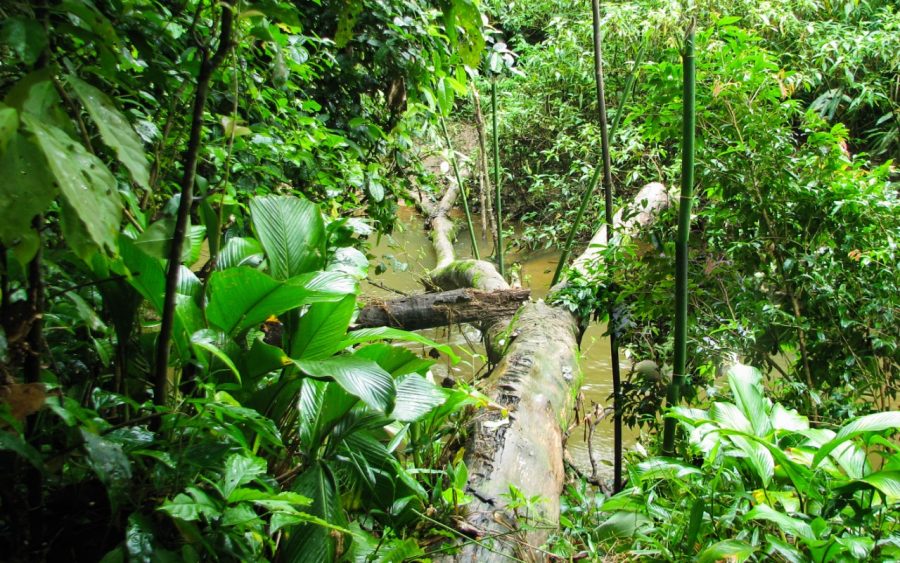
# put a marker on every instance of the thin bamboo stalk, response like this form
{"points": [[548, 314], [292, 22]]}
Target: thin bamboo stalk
{"points": [[595, 180], [462, 189], [498, 201], [679, 378], [608, 198]]}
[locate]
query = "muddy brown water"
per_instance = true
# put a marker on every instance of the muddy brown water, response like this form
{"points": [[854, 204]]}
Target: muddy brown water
{"points": [[407, 255]]}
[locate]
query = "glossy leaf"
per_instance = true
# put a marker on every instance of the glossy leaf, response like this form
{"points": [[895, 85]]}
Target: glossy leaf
{"points": [[240, 251], [322, 328], [114, 129], [388, 333], [30, 194], [726, 550], [416, 397], [25, 37], [292, 233], [877, 422], [240, 470], [244, 297], [794, 526], [746, 386], [309, 542], [85, 182], [360, 377]]}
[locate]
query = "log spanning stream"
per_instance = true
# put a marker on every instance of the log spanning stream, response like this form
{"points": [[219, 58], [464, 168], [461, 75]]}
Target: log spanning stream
{"points": [[411, 246]]}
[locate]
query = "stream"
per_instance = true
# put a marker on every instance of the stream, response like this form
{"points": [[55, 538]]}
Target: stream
{"points": [[407, 255]]}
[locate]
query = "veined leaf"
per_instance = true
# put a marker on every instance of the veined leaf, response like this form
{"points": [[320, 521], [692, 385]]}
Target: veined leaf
{"points": [[416, 397], [114, 129], [664, 468], [746, 385], [359, 377], [321, 406], [886, 482], [239, 251], [621, 525], [396, 360], [291, 232], [30, 193], [321, 328], [88, 186], [309, 542], [877, 422], [243, 297], [240, 470], [727, 550], [389, 333], [796, 527]]}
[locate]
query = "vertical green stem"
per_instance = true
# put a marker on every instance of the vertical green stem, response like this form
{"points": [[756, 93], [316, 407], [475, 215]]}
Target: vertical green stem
{"points": [[462, 188], [681, 243], [498, 200], [608, 198], [595, 180]]}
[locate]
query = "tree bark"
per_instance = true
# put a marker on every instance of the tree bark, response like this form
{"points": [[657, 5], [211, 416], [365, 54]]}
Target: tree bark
{"points": [[536, 375], [440, 309]]}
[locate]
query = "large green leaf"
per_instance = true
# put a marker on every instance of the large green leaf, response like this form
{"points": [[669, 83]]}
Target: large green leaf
{"points": [[243, 297], [664, 468], [291, 232], [886, 482], [88, 186], [30, 193], [239, 251], [621, 525], [794, 526], [726, 550], [746, 385], [240, 470], [321, 328], [146, 273], [388, 333], [110, 463], [308, 542], [358, 376], [396, 360], [114, 129], [9, 124], [416, 397], [25, 37], [877, 422], [799, 475], [321, 406]]}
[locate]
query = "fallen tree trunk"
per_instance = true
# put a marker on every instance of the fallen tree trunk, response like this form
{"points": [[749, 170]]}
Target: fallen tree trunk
{"points": [[536, 374], [440, 309]]}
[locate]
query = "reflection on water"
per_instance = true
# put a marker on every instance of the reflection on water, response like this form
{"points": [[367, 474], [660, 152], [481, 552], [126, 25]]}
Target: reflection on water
{"points": [[407, 254]]}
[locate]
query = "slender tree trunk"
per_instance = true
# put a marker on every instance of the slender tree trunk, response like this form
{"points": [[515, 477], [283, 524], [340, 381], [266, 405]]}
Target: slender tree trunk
{"points": [[681, 243], [595, 179], [498, 200], [484, 167], [207, 68], [454, 162]]}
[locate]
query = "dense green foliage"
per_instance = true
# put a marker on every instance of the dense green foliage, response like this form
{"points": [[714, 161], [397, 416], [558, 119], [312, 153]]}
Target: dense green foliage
{"points": [[188, 192], [271, 426], [762, 483], [794, 245]]}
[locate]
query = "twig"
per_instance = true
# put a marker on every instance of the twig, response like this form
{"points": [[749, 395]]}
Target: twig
{"points": [[386, 288]]}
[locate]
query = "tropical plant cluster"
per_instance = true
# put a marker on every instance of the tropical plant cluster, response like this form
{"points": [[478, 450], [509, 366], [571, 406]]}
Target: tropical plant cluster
{"points": [[188, 189], [795, 220]]}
